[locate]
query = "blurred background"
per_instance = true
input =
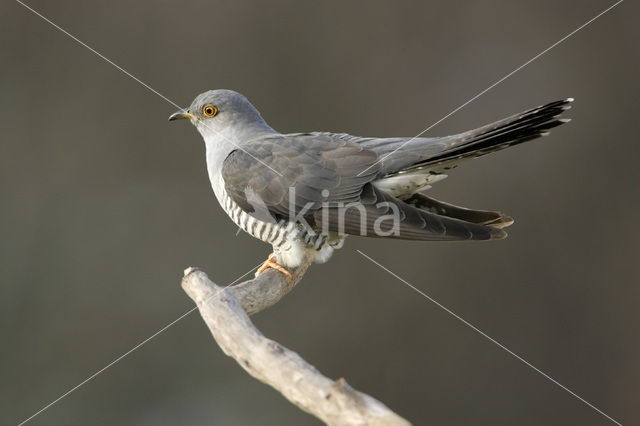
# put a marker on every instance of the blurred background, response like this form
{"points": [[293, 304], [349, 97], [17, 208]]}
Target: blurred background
{"points": [[103, 203]]}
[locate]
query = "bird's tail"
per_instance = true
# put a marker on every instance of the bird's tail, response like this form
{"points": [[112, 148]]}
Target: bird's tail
{"points": [[499, 135]]}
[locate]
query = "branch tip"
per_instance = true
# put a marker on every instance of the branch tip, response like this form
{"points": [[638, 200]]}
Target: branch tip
{"points": [[190, 269]]}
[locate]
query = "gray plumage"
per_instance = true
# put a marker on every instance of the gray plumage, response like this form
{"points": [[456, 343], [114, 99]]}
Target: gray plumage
{"points": [[273, 184]]}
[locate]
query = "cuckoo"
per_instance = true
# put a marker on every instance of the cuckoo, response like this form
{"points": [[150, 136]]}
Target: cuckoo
{"points": [[303, 193]]}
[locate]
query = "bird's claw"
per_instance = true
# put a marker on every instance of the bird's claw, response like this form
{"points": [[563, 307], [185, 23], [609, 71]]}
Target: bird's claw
{"points": [[271, 263]]}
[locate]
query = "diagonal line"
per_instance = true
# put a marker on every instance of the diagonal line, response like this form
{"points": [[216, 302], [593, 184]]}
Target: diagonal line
{"points": [[136, 347], [100, 54], [492, 340], [58, 27], [494, 84], [107, 366]]}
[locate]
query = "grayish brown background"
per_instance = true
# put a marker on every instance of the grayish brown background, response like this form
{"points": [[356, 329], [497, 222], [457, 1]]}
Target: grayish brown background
{"points": [[103, 203]]}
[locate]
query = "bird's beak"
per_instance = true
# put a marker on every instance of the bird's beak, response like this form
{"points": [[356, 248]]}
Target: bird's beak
{"points": [[181, 114]]}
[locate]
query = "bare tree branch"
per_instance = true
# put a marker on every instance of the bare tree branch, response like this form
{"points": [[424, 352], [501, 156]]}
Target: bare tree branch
{"points": [[225, 311]]}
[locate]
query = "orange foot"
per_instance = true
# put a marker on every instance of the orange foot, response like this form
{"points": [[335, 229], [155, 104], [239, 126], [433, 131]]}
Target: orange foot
{"points": [[271, 263]]}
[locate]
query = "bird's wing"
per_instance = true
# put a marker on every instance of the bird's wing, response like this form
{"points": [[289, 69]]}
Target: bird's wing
{"points": [[289, 174], [317, 177]]}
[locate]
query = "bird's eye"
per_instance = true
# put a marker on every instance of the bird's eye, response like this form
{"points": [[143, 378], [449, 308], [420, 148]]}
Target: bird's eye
{"points": [[209, 110]]}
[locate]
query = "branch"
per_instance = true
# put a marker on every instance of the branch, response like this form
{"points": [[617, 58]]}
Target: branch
{"points": [[225, 311]]}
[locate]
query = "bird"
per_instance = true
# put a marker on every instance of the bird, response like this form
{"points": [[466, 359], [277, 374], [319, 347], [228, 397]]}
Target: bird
{"points": [[304, 193]]}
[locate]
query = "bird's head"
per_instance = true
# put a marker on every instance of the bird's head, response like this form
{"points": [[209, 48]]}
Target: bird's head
{"points": [[220, 112]]}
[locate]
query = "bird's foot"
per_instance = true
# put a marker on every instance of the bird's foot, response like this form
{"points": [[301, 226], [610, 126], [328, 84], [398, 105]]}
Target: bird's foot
{"points": [[271, 263]]}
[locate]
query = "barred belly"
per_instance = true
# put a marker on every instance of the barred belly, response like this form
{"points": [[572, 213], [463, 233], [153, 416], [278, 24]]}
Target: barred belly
{"points": [[274, 233], [290, 240]]}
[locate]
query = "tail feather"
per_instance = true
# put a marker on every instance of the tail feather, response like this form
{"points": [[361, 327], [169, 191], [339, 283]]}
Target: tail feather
{"points": [[510, 131], [400, 155]]}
